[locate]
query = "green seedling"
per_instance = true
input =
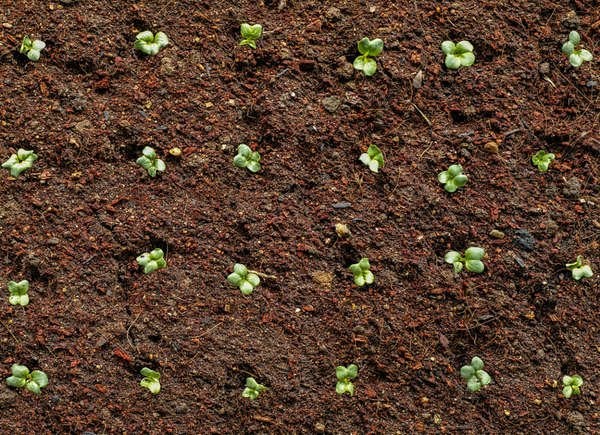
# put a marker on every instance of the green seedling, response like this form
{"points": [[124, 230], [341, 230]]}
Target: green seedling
{"points": [[152, 260], [471, 260], [246, 158], [452, 178], [32, 49], [246, 280], [368, 50], [151, 380], [373, 158], [361, 272], [576, 56], [475, 375], [18, 292], [253, 389], [571, 385], [22, 378], [344, 375], [150, 162], [458, 55], [250, 34], [150, 44], [542, 160], [580, 270], [20, 162]]}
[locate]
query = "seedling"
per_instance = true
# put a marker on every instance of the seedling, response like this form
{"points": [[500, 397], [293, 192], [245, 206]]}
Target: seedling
{"points": [[576, 57], [250, 34], [32, 49], [246, 280], [152, 260], [452, 178], [20, 162], [246, 158], [150, 162], [373, 158], [458, 55], [150, 44], [571, 385], [368, 49], [253, 389], [542, 160], [471, 260], [344, 375], [580, 270], [22, 378], [18, 292], [475, 375], [151, 380], [361, 272]]}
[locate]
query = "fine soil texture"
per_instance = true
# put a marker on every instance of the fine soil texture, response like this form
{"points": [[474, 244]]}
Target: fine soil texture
{"points": [[74, 223]]}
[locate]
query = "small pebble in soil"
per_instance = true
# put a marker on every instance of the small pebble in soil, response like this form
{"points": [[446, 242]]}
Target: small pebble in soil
{"points": [[592, 84], [524, 239], [573, 188], [342, 204], [544, 68], [497, 234], [332, 103], [491, 147]]}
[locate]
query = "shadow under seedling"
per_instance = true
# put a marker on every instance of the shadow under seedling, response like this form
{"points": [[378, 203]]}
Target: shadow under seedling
{"points": [[579, 270], [373, 158], [475, 375], [362, 273], [452, 178], [368, 50], [150, 44], [20, 162], [458, 55], [151, 380], [152, 260], [18, 292], [246, 158], [571, 385], [471, 260], [542, 160], [32, 49], [344, 375], [150, 162], [253, 389], [22, 378], [250, 34]]}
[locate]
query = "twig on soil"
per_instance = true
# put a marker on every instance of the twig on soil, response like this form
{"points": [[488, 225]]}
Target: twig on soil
{"points": [[263, 275], [422, 114], [9, 331], [129, 329]]}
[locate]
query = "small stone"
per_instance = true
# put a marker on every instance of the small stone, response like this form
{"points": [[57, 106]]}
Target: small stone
{"points": [[592, 84], [497, 234], [53, 241], [167, 66], [571, 20], [342, 204], [544, 68], [491, 147], [573, 188], [332, 103], [333, 14], [82, 126], [7, 25], [319, 427], [342, 230], [181, 408], [524, 239]]}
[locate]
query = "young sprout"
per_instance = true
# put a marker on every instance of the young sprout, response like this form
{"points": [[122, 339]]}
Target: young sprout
{"points": [[361, 272], [150, 162], [152, 260], [580, 270], [246, 158], [475, 375], [471, 260], [151, 380], [542, 160], [452, 178], [576, 57], [368, 49], [150, 44], [253, 389], [20, 162], [18, 292], [31, 48], [21, 377], [571, 385], [373, 158], [344, 375], [458, 55], [246, 280], [250, 34]]}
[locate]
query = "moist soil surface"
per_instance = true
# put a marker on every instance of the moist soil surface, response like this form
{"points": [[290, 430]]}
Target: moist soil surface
{"points": [[75, 222]]}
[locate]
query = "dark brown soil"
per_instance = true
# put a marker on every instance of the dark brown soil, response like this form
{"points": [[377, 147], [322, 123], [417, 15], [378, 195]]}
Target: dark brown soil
{"points": [[74, 224]]}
